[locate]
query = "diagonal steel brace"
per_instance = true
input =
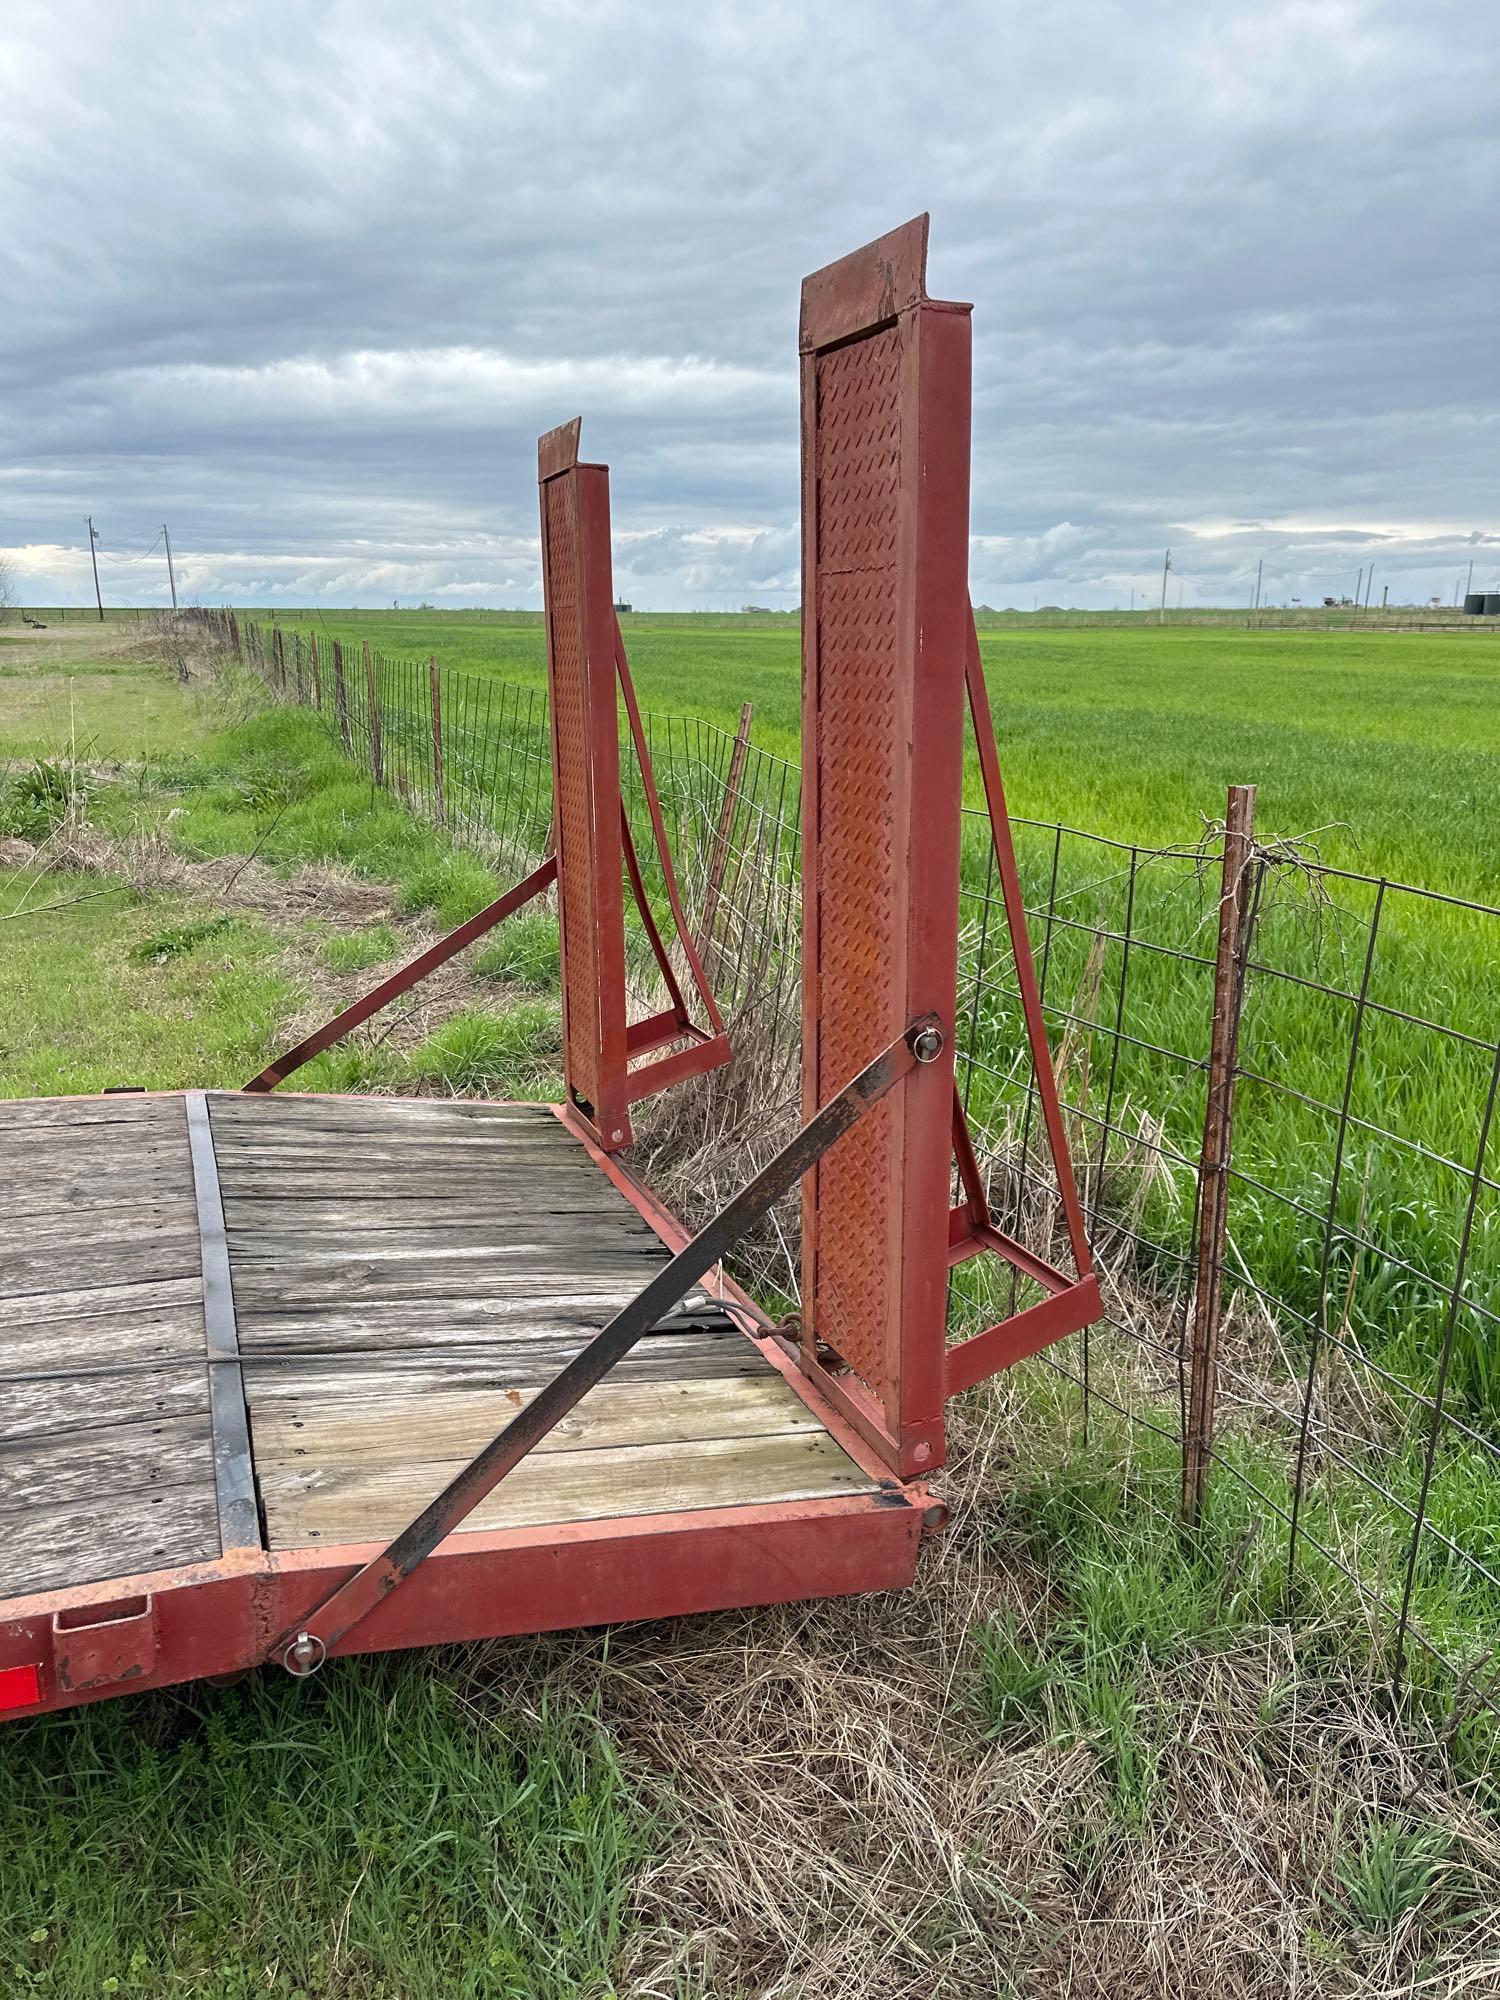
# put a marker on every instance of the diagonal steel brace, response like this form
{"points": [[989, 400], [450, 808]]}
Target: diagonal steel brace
{"points": [[409, 975], [303, 1649]]}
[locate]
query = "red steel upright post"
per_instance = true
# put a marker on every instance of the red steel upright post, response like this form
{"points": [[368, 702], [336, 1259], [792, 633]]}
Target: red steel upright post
{"points": [[885, 523], [579, 591]]}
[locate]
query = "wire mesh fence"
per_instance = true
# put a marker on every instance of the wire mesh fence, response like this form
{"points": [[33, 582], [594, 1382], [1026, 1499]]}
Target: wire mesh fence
{"points": [[1347, 1214]]}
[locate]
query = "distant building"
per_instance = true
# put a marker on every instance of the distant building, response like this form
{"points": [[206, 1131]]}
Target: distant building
{"points": [[622, 607]]}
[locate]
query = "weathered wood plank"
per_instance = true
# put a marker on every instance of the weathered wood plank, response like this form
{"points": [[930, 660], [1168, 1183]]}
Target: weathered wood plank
{"points": [[51, 1271], [119, 1534], [235, 1108], [136, 1113], [109, 1187], [308, 1506], [398, 1427], [39, 1474], [90, 1259], [151, 1294], [358, 1376], [441, 1184], [285, 1232], [353, 1333], [137, 1221], [415, 1215], [78, 1403], [118, 1338]]}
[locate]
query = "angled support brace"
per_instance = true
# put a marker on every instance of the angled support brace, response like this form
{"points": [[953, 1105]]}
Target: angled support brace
{"points": [[1072, 1303], [303, 1650], [410, 975], [588, 677]]}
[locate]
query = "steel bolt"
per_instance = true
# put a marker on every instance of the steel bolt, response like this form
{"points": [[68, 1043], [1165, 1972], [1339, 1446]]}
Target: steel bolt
{"points": [[928, 1045]]}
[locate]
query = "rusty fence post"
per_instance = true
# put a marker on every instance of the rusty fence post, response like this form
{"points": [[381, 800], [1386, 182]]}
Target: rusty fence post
{"points": [[1236, 915], [720, 852], [372, 704], [435, 683], [341, 697]]}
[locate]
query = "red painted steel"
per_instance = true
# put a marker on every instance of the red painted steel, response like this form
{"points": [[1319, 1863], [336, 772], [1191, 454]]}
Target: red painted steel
{"points": [[219, 1618], [585, 662], [885, 456], [889, 652]]}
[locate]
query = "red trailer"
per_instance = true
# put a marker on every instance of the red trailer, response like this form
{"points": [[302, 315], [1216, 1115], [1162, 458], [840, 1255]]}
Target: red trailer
{"points": [[285, 1376]]}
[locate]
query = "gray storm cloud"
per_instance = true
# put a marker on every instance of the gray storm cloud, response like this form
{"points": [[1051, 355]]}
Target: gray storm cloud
{"points": [[307, 284]]}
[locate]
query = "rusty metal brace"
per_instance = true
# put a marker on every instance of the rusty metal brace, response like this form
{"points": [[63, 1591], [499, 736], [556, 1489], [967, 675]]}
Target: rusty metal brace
{"points": [[304, 1648], [402, 982]]}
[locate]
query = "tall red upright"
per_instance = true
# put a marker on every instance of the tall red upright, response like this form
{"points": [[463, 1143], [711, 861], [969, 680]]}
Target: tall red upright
{"points": [[886, 639], [603, 1051]]}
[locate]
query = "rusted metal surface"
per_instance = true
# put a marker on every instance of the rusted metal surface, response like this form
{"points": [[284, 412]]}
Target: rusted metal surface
{"points": [[350, 1017], [1213, 1168], [304, 1649], [885, 453], [585, 664]]}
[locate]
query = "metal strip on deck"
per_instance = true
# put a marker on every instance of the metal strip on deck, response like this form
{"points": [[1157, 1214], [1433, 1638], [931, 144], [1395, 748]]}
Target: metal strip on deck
{"points": [[234, 1472]]}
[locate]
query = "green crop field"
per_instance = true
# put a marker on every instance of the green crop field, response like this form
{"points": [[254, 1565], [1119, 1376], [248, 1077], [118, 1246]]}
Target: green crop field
{"points": [[1384, 745]]}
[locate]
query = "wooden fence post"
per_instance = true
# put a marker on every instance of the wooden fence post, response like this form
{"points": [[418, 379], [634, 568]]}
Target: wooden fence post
{"points": [[297, 667], [720, 851], [280, 663], [1236, 914], [317, 674], [434, 682], [372, 703], [341, 696]]}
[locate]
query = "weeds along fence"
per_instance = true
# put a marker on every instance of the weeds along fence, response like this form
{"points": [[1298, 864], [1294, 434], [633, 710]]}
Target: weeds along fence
{"points": [[1280, 1080]]}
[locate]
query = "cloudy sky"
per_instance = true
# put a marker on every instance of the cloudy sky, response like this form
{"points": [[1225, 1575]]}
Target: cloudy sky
{"points": [[305, 282]]}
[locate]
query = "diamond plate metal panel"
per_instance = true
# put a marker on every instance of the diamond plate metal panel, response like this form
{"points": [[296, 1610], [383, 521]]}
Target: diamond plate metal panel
{"points": [[885, 428], [860, 874]]}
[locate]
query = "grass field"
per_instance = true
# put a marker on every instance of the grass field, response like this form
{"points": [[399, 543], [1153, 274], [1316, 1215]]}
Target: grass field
{"points": [[1089, 1756], [1386, 746]]}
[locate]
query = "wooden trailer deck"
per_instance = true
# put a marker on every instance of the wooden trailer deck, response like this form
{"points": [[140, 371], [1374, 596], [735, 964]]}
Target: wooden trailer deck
{"points": [[391, 1280]]}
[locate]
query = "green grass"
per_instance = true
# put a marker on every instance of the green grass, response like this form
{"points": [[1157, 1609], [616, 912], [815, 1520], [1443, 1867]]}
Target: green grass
{"points": [[106, 987], [1388, 744], [355, 951], [387, 1830]]}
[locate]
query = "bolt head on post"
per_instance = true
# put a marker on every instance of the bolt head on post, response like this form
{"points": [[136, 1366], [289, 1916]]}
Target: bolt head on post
{"points": [[927, 1044]]}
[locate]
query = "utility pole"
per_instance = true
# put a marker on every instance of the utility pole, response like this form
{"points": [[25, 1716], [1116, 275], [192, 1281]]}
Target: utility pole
{"points": [[94, 559], [1359, 584], [1260, 565], [1470, 584], [1369, 585], [171, 578], [1167, 564], [1385, 599]]}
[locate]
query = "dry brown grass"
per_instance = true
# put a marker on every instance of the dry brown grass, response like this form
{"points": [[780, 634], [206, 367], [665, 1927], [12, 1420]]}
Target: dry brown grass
{"points": [[838, 1828]]}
